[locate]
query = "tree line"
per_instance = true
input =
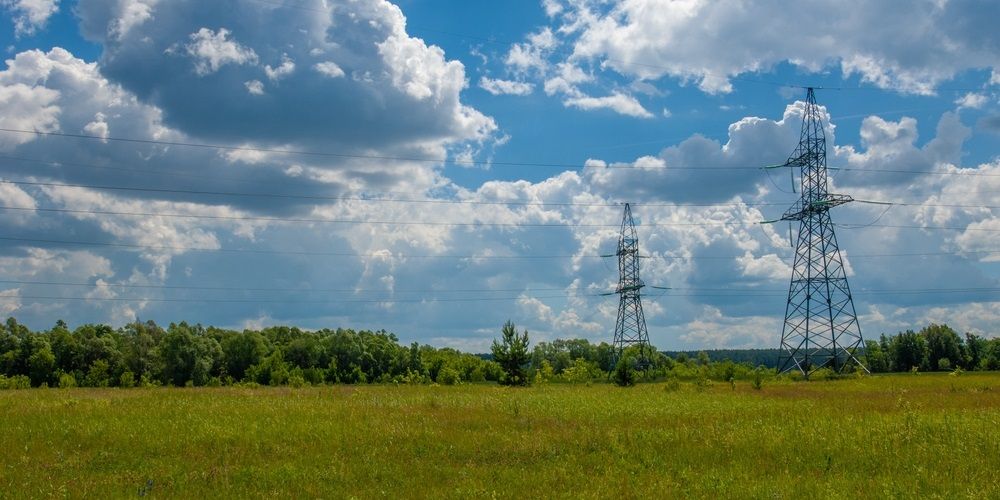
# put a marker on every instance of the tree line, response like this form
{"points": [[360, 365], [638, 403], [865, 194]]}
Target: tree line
{"points": [[933, 348], [145, 354]]}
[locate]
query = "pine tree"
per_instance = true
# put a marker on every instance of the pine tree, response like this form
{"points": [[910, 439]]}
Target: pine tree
{"points": [[511, 353]]}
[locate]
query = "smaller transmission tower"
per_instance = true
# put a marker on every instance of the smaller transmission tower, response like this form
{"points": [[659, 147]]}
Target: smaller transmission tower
{"points": [[821, 327], [631, 325]]}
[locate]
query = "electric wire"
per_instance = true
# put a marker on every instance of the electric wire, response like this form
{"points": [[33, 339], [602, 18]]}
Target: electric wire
{"points": [[444, 161], [104, 187], [130, 246]]}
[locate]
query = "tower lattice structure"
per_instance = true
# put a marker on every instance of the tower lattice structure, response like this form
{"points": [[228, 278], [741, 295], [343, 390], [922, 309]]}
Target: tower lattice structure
{"points": [[630, 329], [821, 327]]}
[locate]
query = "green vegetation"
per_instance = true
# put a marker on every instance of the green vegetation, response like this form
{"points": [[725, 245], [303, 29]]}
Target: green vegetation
{"points": [[934, 348], [143, 354], [889, 436], [511, 352]]}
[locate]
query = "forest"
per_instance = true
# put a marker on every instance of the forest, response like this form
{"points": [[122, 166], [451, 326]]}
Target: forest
{"points": [[145, 354]]}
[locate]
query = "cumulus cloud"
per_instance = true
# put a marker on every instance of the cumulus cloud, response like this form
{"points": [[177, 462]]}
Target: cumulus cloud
{"points": [[329, 68], [707, 43], [284, 69], [497, 86], [213, 50], [619, 103], [254, 87], [30, 15], [972, 100], [365, 66]]}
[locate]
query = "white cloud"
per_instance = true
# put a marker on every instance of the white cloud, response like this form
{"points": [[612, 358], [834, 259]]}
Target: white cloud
{"points": [[27, 107], [972, 100], [531, 55], [130, 14], [30, 15], [708, 42], [10, 300], [286, 68], [619, 103], [552, 7], [502, 87], [98, 127], [213, 50], [329, 68], [254, 87]]}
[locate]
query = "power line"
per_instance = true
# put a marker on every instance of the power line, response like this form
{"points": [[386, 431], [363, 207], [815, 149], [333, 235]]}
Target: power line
{"points": [[273, 289], [441, 256], [438, 200], [446, 161], [369, 199], [353, 221], [442, 223], [747, 293], [272, 301]]}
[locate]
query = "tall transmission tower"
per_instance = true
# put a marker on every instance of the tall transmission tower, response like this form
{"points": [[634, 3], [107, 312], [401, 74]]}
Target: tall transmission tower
{"points": [[821, 326], [631, 325]]}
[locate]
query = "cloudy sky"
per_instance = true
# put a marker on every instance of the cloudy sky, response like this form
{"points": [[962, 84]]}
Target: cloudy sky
{"points": [[435, 167]]}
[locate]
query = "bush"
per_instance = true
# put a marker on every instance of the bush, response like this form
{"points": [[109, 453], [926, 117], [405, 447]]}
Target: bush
{"points": [[673, 384], [624, 375], [757, 379], [449, 376], [15, 382], [98, 374], [127, 380], [295, 378], [67, 380], [823, 374]]}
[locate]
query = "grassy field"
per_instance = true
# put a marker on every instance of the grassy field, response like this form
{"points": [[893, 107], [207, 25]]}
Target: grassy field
{"points": [[903, 436]]}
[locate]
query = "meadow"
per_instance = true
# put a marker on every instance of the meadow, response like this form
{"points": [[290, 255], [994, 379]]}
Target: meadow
{"points": [[888, 436]]}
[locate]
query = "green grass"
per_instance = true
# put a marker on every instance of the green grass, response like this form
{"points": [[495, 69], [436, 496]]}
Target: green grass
{"points": [[903, 436]]}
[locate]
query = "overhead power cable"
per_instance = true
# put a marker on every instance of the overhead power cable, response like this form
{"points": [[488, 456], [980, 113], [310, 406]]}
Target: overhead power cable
{"points": [[446, 161], [386, 300], [442, 223], [443, 256], [438, 200]]}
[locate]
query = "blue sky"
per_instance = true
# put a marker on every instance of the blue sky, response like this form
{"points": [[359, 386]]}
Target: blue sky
{"points": [[325, 198]]}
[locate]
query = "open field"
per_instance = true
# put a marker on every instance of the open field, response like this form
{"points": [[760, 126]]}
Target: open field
{"points": [[887, 436]]}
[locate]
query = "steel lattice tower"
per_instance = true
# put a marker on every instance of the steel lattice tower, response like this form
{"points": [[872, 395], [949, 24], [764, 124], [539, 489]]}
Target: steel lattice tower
{"points": [[631, 325], [821, 327]]}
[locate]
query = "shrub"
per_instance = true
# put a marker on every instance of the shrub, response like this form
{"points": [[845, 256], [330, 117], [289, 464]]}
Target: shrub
{"points": [[127, 379], [624, 374], [823, 374], [295, 378], [98, 375], [67, 380], [15, 382], [449, 376], [757, 379], [673, 384]]}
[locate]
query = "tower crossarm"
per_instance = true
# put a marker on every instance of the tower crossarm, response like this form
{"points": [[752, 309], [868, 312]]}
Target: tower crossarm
{"points": [[805, 208]]}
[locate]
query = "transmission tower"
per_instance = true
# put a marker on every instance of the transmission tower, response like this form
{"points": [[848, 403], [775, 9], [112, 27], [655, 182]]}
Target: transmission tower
{"points": [[821, 327], [631, 325]]}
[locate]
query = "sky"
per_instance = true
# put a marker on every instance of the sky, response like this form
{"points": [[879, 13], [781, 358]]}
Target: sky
{"points": [[437, 167]]}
